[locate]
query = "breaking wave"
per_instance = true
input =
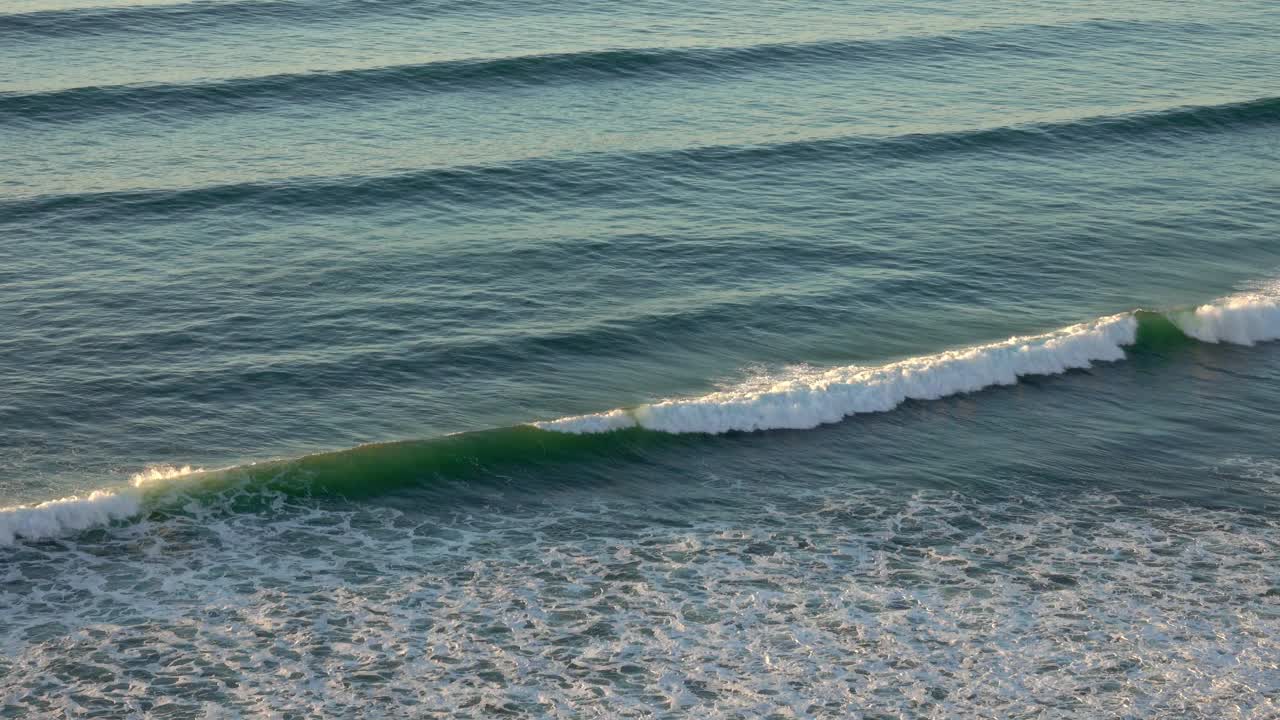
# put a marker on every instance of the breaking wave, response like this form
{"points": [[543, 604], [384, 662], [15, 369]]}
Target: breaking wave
{"points": [[801, 398], [807, 399], [70, 514], [1243, 319]]}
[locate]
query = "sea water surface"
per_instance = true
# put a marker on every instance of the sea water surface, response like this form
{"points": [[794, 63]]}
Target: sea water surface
{"points": [[406, 358]]}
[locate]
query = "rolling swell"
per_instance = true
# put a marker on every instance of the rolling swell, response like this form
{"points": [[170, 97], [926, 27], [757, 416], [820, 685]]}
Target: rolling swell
{"points": [[534, 181], [143, 19], [456, 465], [264, 92], [156, 19]]}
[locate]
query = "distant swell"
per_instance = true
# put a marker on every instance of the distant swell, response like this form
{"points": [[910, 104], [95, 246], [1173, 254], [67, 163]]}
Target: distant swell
{"points": [[188, 16], [257, 93], [799, 399], [537, 180]]}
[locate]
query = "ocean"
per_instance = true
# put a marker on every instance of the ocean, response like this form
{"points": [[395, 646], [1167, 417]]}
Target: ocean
{"points": [[412, 358]]}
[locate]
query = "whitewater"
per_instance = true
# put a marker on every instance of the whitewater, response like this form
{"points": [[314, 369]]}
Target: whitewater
{"points": [[800, 398], [805, 399]]}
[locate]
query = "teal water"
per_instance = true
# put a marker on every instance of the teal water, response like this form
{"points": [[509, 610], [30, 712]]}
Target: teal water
{"points": [[414, 359]]}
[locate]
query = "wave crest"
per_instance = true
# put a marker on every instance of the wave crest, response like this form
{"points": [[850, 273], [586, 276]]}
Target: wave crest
{"points": [[799, 399], [54, 518], [66, 515], [1243, 319], [160, 473], [808, 399]]}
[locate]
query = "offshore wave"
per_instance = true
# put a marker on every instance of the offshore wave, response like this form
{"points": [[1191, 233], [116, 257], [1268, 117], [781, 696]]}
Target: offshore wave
{"points": [[799, 399], [536, 180], [288, 90], [189, 16], [262, 92]]}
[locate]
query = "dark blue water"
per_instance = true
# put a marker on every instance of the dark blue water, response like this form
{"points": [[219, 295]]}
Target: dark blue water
{"points": [[405, 358]]}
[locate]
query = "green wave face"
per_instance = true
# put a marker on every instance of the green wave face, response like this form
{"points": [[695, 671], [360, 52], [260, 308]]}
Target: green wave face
{"points": [[1157, 334], [444, 464], [528, 458]]}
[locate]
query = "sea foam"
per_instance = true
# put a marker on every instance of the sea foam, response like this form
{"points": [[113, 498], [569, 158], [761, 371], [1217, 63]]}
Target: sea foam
{"points": [[1242, 319], [69, 514]]}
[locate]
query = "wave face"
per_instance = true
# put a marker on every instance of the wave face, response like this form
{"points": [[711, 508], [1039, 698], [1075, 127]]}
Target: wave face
{"points": [[803, 398]]}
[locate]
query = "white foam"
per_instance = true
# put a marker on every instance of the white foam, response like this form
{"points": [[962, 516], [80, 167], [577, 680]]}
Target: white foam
{"points": [[159, 473], [806, 399], [71, 514], [838, 601], [1242, 319]]}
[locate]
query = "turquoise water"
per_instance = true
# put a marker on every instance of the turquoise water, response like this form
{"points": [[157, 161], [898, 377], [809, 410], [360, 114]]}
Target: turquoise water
{"points": [[415, 359]]}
